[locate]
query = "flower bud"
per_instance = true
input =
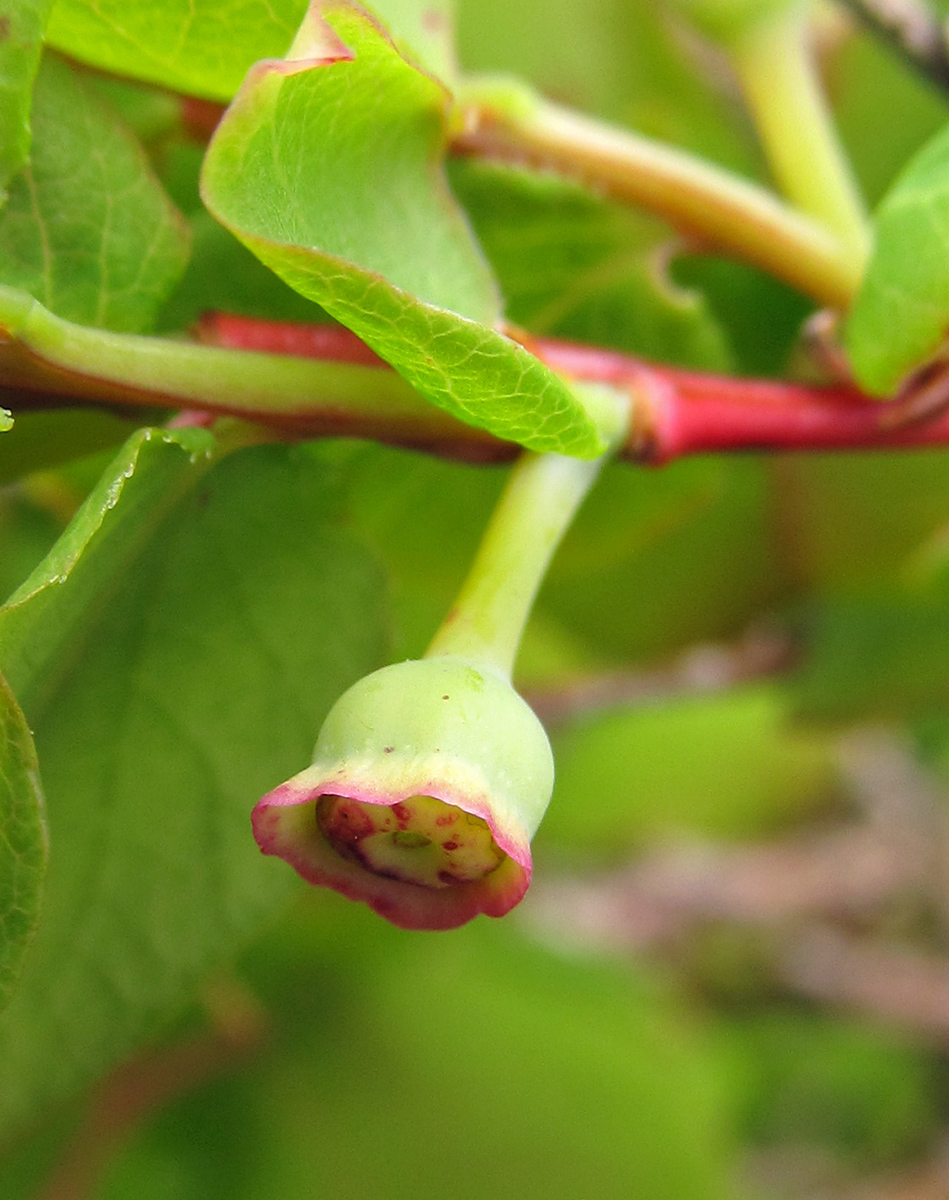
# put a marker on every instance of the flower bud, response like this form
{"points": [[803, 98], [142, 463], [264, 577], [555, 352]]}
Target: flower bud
{"points": [[428, 781]]}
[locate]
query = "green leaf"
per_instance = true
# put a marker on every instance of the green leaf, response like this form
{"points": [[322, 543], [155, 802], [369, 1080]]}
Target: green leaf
{"points": [[22, 841], [297, 170], [88, 229], [206, 666], [21, 39], [901, 312], [55, 606], [205, 47], [574, 266], [202, 47]]}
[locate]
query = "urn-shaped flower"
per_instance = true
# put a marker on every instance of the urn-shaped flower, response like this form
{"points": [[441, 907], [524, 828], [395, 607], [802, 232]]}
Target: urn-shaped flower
{"points": [[428, 781]]}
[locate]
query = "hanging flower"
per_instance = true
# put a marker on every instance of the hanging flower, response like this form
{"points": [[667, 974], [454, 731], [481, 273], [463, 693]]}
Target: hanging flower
{"points": [[429, 779]]}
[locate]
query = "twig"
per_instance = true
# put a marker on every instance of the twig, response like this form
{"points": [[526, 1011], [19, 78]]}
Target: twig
{"points": [[328, 386], [912, 30], [675, 412]]}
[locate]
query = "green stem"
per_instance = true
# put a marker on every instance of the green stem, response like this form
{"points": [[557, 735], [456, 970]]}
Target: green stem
{"points": [[776, 69], [535, 510], [707, 202], [41, 351]]}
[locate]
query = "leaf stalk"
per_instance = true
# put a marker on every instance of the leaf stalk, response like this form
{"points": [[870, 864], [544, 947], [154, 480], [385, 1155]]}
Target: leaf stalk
{"points": [[717, 209], [775, 66]]}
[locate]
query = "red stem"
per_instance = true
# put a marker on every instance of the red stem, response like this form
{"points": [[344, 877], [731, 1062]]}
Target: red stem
{"points": [[676, 412]]}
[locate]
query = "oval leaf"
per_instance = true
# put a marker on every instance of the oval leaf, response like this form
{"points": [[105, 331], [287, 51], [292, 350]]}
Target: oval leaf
{"points": [[202, 672], [901, 313], [344, 197], [88, 229], [205, 47], [21, 37]]}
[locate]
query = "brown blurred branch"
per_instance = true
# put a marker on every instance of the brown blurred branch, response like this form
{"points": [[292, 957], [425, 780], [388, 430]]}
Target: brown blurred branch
{"points": [[147, 1083], [891, 982], [712, 668], [803, 894], [910, 28], [927, 1181]]}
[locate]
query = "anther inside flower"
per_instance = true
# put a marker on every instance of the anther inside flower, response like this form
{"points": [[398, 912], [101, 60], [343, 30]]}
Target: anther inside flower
{"points": [[420, 840]]}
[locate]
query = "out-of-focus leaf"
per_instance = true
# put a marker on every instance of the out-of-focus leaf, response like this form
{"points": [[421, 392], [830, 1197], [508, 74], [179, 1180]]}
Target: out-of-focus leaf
{"points": [[848, 521], [719, 766], [867, 534], [296, 170], [854, 1090], [23, 842], [205, 47], [21, 39], [151, 113], [423, 518], [41, 440], [87, 229], [654, 561], [901, 312], [519, 1073], [222, 275], [26, 534], [194, 648], [621, 60], [659, 560], [879, 654], [736, 295], [572, 265], [869, 84]]}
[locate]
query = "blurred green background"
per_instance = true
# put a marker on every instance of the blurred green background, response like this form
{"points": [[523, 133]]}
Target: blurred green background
{"points": [[729, 978]]}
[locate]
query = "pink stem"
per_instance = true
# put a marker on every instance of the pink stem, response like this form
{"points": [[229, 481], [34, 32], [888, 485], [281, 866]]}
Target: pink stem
{"points": [[677, 412]]}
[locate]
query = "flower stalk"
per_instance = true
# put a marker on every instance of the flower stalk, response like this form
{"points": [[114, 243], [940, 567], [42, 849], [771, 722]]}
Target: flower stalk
{"points": [[485, 624]]}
